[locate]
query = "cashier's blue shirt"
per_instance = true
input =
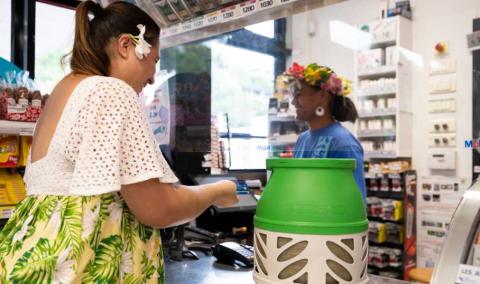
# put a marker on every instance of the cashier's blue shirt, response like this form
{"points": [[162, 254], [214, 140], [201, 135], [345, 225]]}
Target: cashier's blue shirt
{"points": [[333, 141]]}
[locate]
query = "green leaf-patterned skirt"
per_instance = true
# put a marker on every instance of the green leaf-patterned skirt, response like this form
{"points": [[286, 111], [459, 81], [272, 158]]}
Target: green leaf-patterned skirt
{"points": [[78, 239]]}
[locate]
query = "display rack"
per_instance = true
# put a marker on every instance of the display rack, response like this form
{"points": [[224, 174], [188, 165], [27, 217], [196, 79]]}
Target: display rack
{"points": [[17, 128], [10, 198], [383, 89], [224, 18], [391, 200]]}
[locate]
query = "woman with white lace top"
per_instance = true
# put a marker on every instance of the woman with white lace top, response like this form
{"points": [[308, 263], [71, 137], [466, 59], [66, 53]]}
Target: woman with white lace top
{"points": [[98, 187]]}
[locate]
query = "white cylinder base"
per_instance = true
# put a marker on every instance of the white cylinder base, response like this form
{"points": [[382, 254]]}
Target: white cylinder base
{"points": [[310, 259]]}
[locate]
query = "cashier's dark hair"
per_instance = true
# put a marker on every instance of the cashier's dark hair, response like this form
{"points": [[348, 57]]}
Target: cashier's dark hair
{"points": [[95, 27], [343, 109]]}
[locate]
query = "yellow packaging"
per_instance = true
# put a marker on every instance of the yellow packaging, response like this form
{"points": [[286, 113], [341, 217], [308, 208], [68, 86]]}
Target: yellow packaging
{"points": [[12, 188], [398, 213], [25, 145], [382, 233], [9, 151]]}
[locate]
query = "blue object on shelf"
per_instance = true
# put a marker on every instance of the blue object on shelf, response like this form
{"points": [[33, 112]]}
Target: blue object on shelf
{"points": [[6, 66]]}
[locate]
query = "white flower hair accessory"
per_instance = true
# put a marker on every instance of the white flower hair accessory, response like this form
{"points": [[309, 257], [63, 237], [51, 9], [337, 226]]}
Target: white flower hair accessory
{"points": [[142, 47]]}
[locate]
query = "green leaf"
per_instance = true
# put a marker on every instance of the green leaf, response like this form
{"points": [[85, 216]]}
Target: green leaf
{"points": [[106, 200], [147, 266], [144, 232], [46, 208], [37, 265], [70, 233], [128, 229], [108, 255], [21, 212], [133, 279], [87, 273]]}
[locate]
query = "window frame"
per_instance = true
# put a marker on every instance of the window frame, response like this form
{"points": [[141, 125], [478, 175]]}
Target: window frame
{"points": [[276, 47], [23, 30]]}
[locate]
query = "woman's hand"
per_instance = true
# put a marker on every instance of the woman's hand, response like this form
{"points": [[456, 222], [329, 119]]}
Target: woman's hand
{"points": [[226, 193]]}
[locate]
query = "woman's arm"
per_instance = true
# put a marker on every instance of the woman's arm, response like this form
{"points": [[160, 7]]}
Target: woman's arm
{"points": [[162, 204]]}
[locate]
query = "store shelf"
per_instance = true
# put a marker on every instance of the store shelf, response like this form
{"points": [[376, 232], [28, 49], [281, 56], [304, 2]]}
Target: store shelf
{"points": [[380, 72], [378, 94], [228, 19], [380, 219], [380, 154], [282, 118], [283, 140], [16, 128], [381, 175], [379, 113], [373, 134]]}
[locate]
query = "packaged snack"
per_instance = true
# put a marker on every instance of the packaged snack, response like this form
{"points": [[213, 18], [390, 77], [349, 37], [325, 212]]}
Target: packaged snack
{"points": [[12, 188], [22, 97], [36, 99], [9, 152], [25, 145]]}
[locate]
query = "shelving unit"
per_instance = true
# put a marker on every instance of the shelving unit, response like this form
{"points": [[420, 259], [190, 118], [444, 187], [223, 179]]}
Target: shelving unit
{"points": [[10, 198], [17, 128], [227, 19], [391, 233], [384, 102]]}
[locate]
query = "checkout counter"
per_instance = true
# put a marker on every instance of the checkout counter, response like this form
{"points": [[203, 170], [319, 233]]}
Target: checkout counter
{"points": [[207, 271]]}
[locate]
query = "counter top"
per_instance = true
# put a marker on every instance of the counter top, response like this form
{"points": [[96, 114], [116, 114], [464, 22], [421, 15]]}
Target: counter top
{"points": [[207, 271]]}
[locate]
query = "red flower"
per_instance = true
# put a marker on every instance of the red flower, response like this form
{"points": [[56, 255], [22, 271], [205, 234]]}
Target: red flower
{"points": [[296, 70]]}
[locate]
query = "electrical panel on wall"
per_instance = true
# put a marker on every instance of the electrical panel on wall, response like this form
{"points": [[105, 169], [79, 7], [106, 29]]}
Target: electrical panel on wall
{"points": [[443, 66], [442, 159], [443, 86], [443, 126], [442, 106]]}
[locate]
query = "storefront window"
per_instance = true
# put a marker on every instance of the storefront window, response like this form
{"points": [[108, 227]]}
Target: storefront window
{"points": [[266, 29], [241, 70], [54, 32], [242, 82], [5, 28]]}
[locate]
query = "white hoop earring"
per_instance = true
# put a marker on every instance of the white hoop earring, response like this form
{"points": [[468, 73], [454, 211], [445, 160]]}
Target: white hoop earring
{"points": [[319, 111]]}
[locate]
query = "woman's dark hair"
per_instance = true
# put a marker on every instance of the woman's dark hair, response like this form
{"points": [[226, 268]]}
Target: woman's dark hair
{"points": [[92, 35], [343, 109]]}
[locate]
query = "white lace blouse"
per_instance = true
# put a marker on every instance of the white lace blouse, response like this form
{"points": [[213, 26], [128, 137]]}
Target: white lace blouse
{"points": [[102, 141]]}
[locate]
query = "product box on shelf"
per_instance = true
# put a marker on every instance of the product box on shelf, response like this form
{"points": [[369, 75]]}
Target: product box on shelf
{"points": [[370, 59], [9, 151], [12, 188], [18, 104], [25, 145]]}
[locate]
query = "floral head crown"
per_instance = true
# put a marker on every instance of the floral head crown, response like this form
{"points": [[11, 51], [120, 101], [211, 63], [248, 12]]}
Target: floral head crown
{"points": [[321, 77], [142, 47]]}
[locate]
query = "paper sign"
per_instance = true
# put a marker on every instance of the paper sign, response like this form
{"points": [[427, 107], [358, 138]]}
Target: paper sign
{"points": [[229, 13], [213, 18], [281, 2], [468, 274], [265, 4], [248, 8], [199, 23]]}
